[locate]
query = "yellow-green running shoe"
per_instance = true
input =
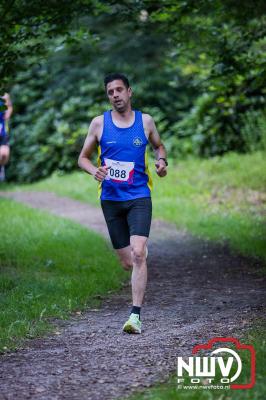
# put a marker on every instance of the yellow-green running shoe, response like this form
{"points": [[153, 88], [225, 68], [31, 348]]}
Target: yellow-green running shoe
{"points": [[133, 324]]}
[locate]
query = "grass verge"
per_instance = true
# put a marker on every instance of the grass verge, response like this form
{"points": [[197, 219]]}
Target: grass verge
{"points": [[221, 199], [49, 267]]}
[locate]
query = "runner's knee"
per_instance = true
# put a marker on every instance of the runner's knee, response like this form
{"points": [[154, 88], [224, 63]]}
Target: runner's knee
{"points": [[127, 265], [4, 155], [125, 261], [4, 159], [138, 254]]}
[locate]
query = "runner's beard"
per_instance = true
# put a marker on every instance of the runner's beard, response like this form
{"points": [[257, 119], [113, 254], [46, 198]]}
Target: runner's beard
{"points": [[120, 107]]}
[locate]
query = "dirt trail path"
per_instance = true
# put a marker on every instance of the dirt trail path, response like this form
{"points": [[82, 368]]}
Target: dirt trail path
{"points": [[196, 291]]}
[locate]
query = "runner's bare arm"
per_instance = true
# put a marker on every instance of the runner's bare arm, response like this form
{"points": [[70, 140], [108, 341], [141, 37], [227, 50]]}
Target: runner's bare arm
{"points": [[157, 145], [9, 106], [84, 160]]}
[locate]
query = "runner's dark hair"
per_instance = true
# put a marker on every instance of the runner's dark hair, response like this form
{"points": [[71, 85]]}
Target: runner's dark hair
{"points": [[112, 77]]}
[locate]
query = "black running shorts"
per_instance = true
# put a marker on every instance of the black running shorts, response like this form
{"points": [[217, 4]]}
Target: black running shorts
{"points": [[4, 140], [127, 218]]}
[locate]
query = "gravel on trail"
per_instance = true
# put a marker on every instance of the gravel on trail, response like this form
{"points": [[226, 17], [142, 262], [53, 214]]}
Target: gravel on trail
{"points": [[196, 290]]}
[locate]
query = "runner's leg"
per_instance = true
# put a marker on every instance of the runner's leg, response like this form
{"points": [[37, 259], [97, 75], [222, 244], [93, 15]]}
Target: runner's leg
{"points": [[125, 257], [4, 154], [4, 157], [139, 222], [115, 217], [139, 272]]}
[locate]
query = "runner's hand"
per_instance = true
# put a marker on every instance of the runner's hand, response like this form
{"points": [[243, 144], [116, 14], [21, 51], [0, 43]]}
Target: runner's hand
{"points": [[101, 173], [161, 168], [6, 97]]}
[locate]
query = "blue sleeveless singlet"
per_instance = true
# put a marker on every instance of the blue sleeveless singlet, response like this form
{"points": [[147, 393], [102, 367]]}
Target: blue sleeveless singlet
{"points": [[124, 151], [2, 120]]}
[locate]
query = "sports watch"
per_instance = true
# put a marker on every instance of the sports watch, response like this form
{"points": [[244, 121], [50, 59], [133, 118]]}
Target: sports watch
{"points": [[161, 158]]}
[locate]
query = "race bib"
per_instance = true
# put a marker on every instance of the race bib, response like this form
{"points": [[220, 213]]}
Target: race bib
{"points": [[120, 171]]}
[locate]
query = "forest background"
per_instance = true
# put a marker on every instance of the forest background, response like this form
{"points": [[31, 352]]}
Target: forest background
{"points": [[198, 67]]}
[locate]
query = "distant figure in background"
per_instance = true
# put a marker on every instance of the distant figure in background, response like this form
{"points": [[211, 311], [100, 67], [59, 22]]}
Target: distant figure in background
{"points": [[6, 110]]}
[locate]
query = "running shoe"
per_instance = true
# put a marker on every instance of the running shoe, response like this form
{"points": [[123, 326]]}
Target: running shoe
{"points": [[133, 324], [2, 173]]}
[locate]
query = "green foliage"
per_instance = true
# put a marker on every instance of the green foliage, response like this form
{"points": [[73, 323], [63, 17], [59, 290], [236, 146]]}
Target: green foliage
{"points": [[226, 59], [55, 102], [197, 67], [210, 129], [51, 122], [27, 27], [254, 130]]}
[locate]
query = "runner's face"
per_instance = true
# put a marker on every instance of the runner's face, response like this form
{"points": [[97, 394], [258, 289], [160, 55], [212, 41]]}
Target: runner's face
{"points": [[118, 95]]}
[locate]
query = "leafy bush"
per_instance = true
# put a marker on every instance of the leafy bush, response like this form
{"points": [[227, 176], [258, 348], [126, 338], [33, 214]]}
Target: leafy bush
{"points": [[254, 130], [200, 73]]}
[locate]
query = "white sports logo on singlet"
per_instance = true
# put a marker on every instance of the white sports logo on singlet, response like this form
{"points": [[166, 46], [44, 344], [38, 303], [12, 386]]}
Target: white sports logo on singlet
{"points": [[137, 142]]}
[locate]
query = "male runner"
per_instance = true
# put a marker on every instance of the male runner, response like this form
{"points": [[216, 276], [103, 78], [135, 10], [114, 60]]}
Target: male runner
{"points": [[122, 135], [6, 110]]}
